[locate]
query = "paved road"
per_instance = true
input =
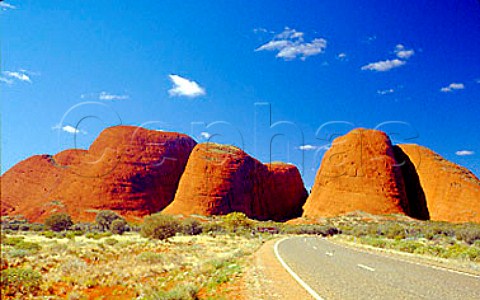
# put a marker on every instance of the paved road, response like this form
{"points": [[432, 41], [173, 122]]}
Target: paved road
{"points": [[336, 272]]}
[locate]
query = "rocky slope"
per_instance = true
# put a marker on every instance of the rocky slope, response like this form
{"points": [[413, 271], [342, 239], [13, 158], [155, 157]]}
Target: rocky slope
{"points": [[131, 170], [358, 172], [362, 171], [451, 192], [220, 179]]}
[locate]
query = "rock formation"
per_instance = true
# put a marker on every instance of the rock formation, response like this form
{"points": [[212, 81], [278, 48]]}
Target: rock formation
{"points": [[452, 192], [220, 179], [363, 171], [130, 170], [135, 172], [359, 172]]}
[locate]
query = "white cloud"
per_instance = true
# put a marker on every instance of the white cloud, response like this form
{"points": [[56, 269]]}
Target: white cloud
{"points": [[312, 147], [205, 135], [464, 152], [20, 75], [6, 80], [184, 87], [385, 92], [452, 86], [384, 65], [290, 45], [69, 129], [342, 56], [108, 96], [403, 53], [260, 30], [5, 6]]}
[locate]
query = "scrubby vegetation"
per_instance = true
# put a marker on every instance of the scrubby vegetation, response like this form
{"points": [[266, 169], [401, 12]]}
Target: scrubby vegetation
{"points": [[187, 258], [105, 219], [58, 222], [160, 227]]}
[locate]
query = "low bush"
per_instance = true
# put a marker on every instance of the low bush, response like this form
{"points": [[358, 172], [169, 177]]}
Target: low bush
{"points": [[191, 226], [49, 234], [118, 226], [150, 257], [20, 280], [105, 218], [213, 228], [12, 241], [470, 233], [58, 222], [160, 227], [322, 230], [179, 292], [28, 246], [111, 241], [97, 235], [236, 221]]}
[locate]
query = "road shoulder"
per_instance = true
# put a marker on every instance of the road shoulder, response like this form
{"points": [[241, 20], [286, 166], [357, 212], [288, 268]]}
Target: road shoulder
{"points": [[267, 279]]}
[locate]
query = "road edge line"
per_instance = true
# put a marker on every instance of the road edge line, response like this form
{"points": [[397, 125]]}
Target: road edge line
{"points": [[292, 273]]}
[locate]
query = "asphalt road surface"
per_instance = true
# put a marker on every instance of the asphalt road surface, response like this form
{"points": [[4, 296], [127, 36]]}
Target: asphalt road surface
{"points": [[337, 272]]}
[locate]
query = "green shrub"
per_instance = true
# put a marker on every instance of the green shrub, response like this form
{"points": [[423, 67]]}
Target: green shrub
{"points": [[37, 227], [322, 230], [49, 234], [111, 241], [24, 227], [191, 226], [20, 280], [105, 218], [58, 222], [469, 233], [12, 241], [18, 253], [28, 246], [97, 235], [236, 221], [179, 292], [150, 257], [160, 227], [70, 235], [118, 226], [213, 228]]}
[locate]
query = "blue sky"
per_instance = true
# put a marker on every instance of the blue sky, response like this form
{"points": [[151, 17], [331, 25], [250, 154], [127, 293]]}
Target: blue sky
{"points": [[228, 70]]}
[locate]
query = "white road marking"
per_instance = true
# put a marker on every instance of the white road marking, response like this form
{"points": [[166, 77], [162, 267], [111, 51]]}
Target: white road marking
{"points": [[366, 267], [293, 274]]}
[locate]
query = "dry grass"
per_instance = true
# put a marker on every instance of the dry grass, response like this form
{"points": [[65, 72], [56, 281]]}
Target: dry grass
{"points": [[132, 267]]}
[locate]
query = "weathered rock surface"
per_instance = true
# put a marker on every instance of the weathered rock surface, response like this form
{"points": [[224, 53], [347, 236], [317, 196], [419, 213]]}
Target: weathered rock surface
{"points": [[220, 179], [131, 170], [359, 172], [452, 192]]}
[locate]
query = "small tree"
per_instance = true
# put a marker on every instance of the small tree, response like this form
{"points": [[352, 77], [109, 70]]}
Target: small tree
{"points": [[160, 227], [118, 226], [236, 221], [59, 222], [105, 218]]}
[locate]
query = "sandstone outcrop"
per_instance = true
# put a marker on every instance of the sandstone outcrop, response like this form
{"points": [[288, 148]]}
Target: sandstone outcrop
{"points": [[131, 170], [452, 193], [358, 172], [220, 179]]}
